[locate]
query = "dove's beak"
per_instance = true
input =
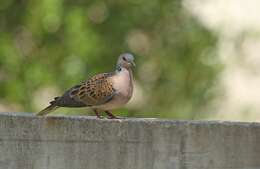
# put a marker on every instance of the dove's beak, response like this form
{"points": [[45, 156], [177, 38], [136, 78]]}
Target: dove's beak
{"points": [[133, 63]]}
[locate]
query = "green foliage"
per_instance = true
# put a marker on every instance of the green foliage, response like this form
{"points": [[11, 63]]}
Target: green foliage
{"points": [[50, 45]]}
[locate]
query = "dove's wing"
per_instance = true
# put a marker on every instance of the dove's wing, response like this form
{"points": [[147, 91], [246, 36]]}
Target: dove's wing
{"points": [[95, 91]]}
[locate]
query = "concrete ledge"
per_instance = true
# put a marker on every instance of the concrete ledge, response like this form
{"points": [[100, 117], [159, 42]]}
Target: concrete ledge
{"points": [[29, 142]]}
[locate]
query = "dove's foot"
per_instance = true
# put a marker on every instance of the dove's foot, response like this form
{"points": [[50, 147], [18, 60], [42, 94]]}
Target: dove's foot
{"points": [[111, 116], [97, 114]]}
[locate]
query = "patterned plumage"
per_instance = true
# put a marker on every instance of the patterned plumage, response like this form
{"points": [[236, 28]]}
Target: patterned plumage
{"points": [[102, 92]]}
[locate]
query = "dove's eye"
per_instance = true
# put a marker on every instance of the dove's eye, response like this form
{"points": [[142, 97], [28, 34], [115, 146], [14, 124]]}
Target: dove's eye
{"points": [[124, 59]]}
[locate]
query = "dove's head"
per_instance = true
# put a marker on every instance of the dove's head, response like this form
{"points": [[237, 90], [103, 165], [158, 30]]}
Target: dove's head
{"points": [[126, 60]]}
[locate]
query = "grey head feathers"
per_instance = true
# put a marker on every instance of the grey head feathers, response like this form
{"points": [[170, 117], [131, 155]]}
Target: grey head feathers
{"points": [[126, 60]]}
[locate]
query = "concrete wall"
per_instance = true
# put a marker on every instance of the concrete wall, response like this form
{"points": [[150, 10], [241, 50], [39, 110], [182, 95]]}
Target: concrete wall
{"points": [[28, 142]]}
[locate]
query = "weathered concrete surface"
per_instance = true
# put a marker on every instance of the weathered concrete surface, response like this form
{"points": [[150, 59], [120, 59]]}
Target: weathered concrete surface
{"points": [[28, 142]]}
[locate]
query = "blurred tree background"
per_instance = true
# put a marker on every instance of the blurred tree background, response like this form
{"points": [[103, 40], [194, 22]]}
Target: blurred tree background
{"points": [[50, 45]]}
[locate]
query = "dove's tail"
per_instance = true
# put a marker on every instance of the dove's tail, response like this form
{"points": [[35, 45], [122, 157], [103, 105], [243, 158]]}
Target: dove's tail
{"points": [[53, 106]]}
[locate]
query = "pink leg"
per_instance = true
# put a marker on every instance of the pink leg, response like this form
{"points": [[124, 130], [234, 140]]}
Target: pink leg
{"points": [[97, 113], [110, 115]]}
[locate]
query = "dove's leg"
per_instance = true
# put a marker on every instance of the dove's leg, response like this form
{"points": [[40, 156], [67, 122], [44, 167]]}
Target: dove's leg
{"points": [[110, 115], [97, 113]]}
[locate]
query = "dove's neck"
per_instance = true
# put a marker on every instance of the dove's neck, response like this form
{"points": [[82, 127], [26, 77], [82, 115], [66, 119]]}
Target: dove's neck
{"points": [[123, 82], [120, 70]]}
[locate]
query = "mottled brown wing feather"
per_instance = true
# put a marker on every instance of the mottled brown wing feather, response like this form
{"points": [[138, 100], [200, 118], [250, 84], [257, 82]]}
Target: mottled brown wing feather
{"points": [[67, 101], [97, 90]]}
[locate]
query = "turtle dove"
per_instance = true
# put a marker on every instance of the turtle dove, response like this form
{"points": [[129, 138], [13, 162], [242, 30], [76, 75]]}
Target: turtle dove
{"points": [[101, 93]]}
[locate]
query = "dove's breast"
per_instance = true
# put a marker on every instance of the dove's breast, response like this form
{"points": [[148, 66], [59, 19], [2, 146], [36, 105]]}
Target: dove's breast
{"points": [[123, 84]]}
